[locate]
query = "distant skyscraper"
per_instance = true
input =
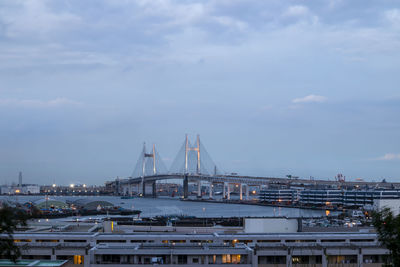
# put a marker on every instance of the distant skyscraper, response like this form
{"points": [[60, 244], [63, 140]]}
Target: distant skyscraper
{"points": [[20, 179]]}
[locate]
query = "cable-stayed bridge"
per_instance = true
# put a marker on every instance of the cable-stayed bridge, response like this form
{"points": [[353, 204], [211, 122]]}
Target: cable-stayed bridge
{"points": [[194, 164]]}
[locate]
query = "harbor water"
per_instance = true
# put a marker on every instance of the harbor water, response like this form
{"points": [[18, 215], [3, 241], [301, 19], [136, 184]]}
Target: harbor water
{"points": [[151, 207]]}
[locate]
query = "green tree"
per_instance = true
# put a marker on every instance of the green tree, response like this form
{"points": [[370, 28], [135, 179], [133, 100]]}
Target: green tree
{"points": [[10, 219], [388, 228]]}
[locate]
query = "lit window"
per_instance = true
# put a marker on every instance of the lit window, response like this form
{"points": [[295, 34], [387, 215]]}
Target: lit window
{"points": [[78, 259]]}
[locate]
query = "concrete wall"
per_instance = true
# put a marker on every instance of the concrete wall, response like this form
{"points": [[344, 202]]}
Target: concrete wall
{"points": [[270, 225], [392, 204]]}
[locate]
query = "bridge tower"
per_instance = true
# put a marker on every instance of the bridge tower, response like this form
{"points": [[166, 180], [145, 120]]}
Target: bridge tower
{"points": [[149, 155], [196, 149], [154, 169]]}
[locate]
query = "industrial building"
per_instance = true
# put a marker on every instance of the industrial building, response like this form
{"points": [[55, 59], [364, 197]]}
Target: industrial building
{"points": [[20, 188], [23, 189], [335, 198], [260, 242]]}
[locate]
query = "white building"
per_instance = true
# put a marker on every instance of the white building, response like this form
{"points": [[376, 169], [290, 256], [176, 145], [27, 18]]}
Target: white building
{"points": [[30, 189], [25, 189], [392, 204]]}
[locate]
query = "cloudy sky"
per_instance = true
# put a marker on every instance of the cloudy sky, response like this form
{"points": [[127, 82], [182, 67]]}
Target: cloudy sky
{"points": [[309, 88]]}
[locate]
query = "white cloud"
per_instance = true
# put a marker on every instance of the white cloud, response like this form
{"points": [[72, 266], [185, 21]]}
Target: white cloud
{"points": [[266, 107], [390, 156], [34, 103], [187, 14], [393, 16], [335, 3], [35, 18], [296, 11], [230, 22], [180, 13], [47, 33], [310, 99], [300, 14]]}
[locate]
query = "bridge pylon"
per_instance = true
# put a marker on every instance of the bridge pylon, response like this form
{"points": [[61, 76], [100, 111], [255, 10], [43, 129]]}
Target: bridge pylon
{"points": [[193, 159], [154, 169], [148, 164], [196, 149], [149, 155]]}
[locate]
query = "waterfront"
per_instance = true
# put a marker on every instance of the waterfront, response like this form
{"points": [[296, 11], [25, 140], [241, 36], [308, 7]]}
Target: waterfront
{"points": [[173, 206]]}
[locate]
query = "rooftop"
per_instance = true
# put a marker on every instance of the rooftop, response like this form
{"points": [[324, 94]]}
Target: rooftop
{"points": [[33, 263]]}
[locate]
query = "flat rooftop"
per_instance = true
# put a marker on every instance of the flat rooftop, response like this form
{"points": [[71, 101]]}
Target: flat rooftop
{"points": [[54, 263]]}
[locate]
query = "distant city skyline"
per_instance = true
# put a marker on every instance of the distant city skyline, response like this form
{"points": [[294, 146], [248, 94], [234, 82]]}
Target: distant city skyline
{"points": [[308, 88]]}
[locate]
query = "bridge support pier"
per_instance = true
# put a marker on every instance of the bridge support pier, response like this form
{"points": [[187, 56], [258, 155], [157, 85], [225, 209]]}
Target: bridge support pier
{"points": [[228, 191], [154, 187], [241, 191], [223, 190], [143, 189], [199, 189], [247, 192], [210, 190], [185, 187]]}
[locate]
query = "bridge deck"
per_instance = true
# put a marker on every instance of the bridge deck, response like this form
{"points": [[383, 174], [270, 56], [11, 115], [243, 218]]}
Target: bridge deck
{"points": [[254, 180]]}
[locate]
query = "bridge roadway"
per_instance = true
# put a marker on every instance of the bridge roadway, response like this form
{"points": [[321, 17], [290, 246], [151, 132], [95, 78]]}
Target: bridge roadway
{"points": [[244, 180]]}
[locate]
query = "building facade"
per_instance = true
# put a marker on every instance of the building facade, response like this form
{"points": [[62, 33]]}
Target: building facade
{"points": [[335, 198], [93, 248]]}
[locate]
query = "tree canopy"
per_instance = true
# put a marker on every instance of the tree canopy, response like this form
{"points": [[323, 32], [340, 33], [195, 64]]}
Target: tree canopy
{"points": [[388, 228], [10, 219]]}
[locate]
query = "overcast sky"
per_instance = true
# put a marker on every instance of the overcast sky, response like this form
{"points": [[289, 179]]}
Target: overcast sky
{"points": [[309, 88]]}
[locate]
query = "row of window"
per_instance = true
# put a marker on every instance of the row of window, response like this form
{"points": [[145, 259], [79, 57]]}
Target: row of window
{"points": [[234, 241], [168, 259]]}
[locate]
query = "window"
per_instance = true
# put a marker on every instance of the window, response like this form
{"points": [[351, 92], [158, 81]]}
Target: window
{"points": [[201, 241], [300, 241], [226, 258], [110, 259], [245, 241], [236, 258], [272, 259], [373, 259], [138, 241], [78, 259], [268, 241], [111, 241], [341, 259], [362, 240], [182, 259], [64, 257]]}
